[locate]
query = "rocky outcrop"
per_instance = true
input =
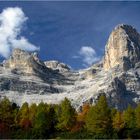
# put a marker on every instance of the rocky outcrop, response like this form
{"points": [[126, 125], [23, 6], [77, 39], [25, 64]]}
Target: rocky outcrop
{"points": [[56, 65], [122, 48], [92, 71], [25, 62]]}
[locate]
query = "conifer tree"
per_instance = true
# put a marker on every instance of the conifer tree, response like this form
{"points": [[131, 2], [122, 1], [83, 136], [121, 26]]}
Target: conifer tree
{"points": [[5, 110], [23, 116], [32, 113], [129, 117], [8, 112], [66, 116], [39, 127], [44, 121], [130, 122], [118, 121], [98, 118], [82, 115]]}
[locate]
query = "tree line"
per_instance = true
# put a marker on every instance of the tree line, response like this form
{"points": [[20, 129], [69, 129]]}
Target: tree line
{"points": [[45, 121]]}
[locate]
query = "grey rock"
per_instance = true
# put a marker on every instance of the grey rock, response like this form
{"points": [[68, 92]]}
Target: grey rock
{"points": [[123, 48], [56, 65], [24, 77]]}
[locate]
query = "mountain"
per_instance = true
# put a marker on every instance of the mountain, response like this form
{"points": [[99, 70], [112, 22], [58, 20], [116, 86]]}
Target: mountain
{"points": [[123, 48], [24, 77]]}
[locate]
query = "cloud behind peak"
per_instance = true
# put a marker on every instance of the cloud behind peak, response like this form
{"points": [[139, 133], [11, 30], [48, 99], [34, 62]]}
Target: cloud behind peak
{"points": [[11, 23], [88, 56]]}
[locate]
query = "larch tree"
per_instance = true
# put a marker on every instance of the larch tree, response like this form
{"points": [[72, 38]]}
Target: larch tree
{"points": [[23, 116], [98, 118], [66, 116], [118, 121], [129, 118]]}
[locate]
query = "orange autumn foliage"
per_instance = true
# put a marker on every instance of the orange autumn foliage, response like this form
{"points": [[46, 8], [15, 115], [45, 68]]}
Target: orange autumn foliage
{"points": [[81, 116], [26, 123]]}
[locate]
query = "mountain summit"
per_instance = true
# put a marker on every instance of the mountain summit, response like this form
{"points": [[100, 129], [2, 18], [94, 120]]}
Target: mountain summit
{"points": [[122, 48], [25, 62], [25, 78]]}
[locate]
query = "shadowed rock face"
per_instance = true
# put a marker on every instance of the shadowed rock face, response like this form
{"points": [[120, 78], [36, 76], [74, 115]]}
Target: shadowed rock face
{"points": [[25, 78], [123, 48]]}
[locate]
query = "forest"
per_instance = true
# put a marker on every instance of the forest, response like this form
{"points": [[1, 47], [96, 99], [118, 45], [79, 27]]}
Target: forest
{"points": [[47, 121]]}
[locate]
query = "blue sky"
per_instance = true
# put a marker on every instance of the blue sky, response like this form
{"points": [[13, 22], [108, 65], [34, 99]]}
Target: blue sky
{"points": [[62, 29]]}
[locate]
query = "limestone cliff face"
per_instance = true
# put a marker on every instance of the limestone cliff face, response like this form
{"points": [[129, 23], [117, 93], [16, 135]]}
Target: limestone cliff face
{"points": [[24, 61], [25, 78], [122, 48]]}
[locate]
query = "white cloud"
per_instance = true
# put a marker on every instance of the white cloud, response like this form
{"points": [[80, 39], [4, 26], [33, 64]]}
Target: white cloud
{"points": [[11, 23], [88, 55]]}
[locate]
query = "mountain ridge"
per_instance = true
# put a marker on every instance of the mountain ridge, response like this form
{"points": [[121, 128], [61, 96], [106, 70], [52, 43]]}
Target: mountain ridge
{"points": [[25, 78]]}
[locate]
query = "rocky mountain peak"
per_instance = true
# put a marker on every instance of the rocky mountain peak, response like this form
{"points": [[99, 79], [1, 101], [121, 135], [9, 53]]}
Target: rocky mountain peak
{"points": [[122, 48], [125, 27], [24, 61]]}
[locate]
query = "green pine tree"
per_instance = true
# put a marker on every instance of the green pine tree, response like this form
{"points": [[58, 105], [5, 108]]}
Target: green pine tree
{"points": [[129, 117], [130, 122], [66, 116], [98, 118]]}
